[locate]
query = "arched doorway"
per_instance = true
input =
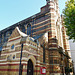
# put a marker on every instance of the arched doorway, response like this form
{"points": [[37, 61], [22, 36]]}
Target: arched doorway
{"points": [[30, 67]]}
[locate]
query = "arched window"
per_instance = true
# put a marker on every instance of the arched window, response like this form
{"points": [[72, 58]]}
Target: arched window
{"points": [[8, 33], [29, 29], [12, 47], [1, 48], [23, 29], [9, 57], [0, 40]]}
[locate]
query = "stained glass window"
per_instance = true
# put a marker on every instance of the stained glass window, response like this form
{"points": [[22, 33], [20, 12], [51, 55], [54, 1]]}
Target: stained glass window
{"points": [[12, 47], [28, 29]]}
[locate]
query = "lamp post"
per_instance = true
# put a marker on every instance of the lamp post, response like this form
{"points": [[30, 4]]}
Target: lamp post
{"points": [[20, 65]]}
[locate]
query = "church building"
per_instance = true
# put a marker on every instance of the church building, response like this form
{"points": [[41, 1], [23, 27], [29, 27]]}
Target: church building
{"points": [[37, 45]]}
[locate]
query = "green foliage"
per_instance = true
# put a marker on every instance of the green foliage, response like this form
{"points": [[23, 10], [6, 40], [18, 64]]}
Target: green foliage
{"points": [[69, 18]]}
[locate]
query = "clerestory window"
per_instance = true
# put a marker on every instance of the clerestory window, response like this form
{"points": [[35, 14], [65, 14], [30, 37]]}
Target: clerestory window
{"points": [[29, 29]]}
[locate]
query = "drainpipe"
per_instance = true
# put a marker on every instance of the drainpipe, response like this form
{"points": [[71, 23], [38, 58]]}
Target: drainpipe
{"points": [[20, 65]]}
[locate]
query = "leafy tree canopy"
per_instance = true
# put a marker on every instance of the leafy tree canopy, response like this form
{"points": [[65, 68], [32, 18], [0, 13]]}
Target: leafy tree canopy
{"points": [[69, 18]]}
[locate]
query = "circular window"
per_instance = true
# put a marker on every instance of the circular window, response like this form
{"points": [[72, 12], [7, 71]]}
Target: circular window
{"points": [[14, 57]]}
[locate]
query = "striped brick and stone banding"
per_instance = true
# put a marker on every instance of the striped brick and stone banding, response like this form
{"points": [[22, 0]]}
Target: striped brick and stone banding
{"points": [[44, 40]]}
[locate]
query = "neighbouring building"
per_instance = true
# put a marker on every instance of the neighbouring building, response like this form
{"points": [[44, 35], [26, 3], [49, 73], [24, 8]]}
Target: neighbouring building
{"points": [[37, 45], [72, 48]]}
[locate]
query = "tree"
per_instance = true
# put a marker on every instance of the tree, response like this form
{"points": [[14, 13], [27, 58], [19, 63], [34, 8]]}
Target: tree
{"points": [[69, 18]]}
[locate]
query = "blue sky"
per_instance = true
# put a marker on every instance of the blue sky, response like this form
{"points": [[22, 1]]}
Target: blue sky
{"points": [[13, 11]]}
